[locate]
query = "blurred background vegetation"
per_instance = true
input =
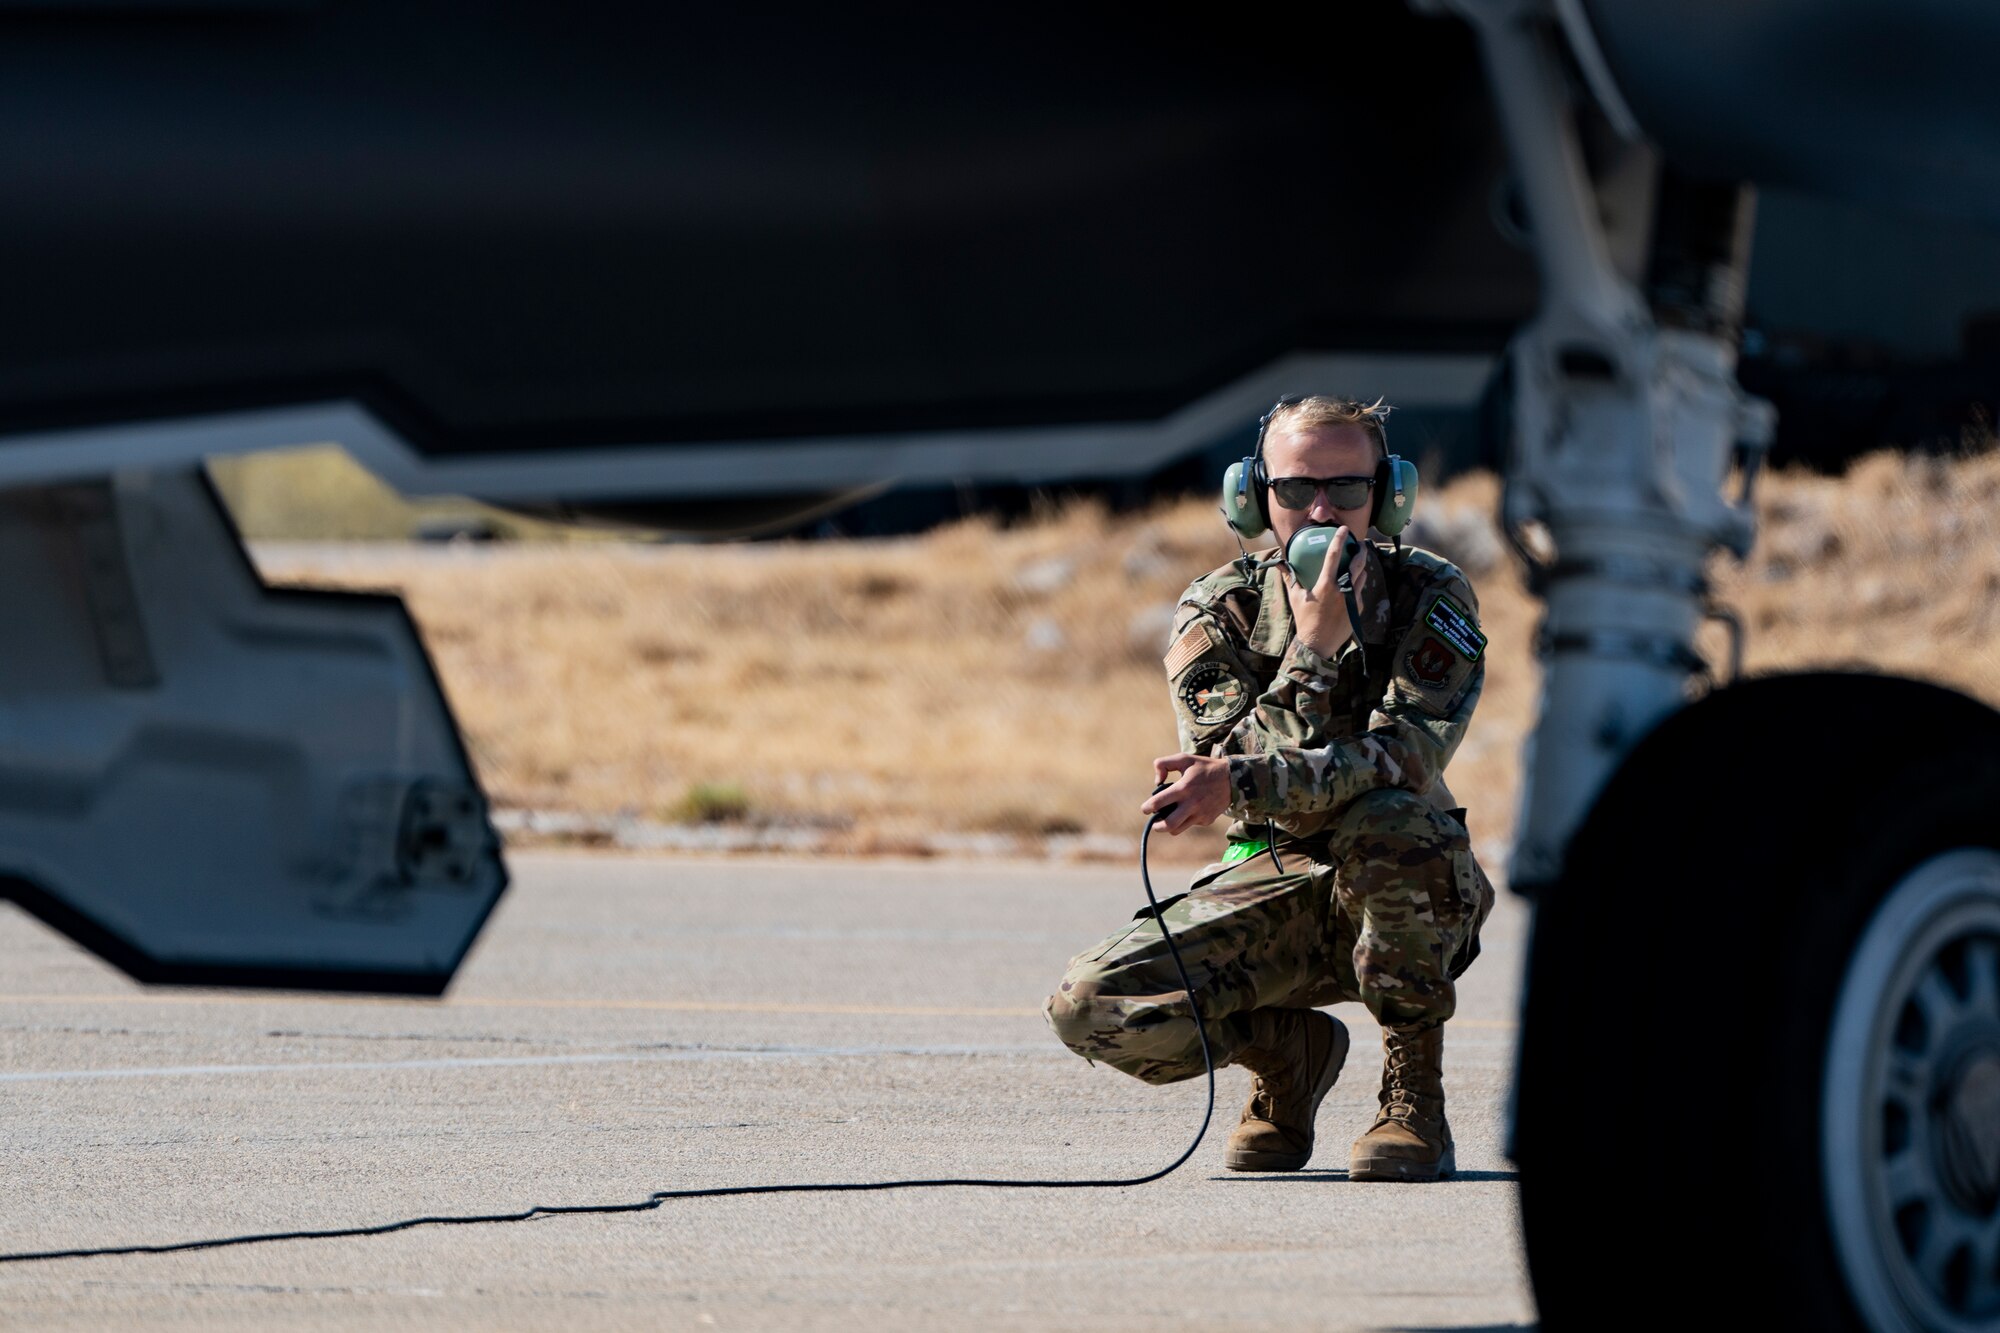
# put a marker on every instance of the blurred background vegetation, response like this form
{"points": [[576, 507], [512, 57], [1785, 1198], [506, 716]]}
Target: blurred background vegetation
{"points": [[995, 686]]}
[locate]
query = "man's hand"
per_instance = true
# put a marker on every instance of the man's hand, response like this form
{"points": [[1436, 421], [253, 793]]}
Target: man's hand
{"points": [[1319, 613], [1199, 796]]}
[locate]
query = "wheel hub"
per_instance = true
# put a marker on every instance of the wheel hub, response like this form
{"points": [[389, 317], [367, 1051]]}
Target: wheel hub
{"points": [[1910, 1118], [1968, 1133]]}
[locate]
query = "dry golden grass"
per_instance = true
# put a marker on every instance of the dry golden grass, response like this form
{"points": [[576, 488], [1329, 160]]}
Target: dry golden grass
{"points": [[1008, 680], [1894, 567]]}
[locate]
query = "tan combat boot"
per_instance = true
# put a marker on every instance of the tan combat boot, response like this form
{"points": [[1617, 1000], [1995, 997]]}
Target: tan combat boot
{"points": [[1295, 1055], [1410, 1139]]}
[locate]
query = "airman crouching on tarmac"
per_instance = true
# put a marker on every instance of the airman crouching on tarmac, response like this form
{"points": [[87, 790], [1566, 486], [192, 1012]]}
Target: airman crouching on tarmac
{"points": [[1324, 727]]}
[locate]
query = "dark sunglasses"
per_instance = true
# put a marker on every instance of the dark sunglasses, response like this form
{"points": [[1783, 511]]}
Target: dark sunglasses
{"points": [[1341, 492]]}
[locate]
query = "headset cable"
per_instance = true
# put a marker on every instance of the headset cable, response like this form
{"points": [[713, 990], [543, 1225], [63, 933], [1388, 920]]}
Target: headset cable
{"points": [[660, 1197]]}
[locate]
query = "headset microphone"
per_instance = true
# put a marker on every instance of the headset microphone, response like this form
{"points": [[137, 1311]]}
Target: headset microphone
{"points": [[1307, 553]]}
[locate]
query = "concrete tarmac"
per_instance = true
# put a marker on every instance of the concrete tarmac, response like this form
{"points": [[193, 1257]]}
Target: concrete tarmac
{"points": [[627, 1025]]}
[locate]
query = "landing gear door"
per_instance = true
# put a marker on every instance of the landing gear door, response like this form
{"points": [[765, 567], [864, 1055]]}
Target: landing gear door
{"points": [[208, 781]]}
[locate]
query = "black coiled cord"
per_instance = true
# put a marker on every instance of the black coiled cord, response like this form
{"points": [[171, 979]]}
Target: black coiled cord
{"points": [[654, 1200]]}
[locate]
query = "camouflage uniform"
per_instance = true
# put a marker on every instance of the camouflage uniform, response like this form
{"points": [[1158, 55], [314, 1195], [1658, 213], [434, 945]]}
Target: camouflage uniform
{"points": [[1380, 899]]}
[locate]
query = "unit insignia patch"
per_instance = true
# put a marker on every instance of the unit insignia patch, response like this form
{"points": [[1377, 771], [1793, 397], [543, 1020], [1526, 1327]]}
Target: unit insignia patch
{"points": [[1213, 693], [1431, 662]]}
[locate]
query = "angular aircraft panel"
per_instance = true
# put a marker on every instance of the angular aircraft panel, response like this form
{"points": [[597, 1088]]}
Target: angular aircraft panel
{"points": [[208, 781]]}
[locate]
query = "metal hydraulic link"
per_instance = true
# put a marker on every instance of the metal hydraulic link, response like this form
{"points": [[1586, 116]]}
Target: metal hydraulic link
{"points": [[1625, 431]]}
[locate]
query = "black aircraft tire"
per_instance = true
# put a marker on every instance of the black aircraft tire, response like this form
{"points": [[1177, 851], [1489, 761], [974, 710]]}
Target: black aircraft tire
{"points": [[1681, 986]]}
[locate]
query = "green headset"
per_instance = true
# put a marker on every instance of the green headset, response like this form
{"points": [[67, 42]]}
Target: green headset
{"points": [[1245, 508]]}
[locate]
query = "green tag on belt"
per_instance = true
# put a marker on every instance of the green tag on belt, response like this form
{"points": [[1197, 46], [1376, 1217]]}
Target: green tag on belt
{"points": [[1243, 851]]}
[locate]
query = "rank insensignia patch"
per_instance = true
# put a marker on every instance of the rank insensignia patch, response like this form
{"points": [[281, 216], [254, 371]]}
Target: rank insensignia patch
{"points": [[1455, 625], [1431, 662], [1213, 693]]}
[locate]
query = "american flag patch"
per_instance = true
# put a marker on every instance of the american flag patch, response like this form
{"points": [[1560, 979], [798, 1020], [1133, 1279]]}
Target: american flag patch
{"points": [[1191, 645]]}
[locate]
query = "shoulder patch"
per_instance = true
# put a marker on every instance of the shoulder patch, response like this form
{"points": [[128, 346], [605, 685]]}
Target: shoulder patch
{"points": [[1430, 662], [1456, 627], [1193, 642], [1213, 694]]}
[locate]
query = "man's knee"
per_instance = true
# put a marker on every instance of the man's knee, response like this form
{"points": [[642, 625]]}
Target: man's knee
{"points": [[1070, 1010], [1408, 873], [1152, 1038]]}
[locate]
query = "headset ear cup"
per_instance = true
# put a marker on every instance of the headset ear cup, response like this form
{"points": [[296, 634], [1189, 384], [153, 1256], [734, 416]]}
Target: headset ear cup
{"points": [[1243, 499], [1395, 495]]}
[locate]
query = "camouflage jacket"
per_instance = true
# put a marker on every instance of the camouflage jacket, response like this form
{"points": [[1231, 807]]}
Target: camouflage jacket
{"points": [[1304, 735]]}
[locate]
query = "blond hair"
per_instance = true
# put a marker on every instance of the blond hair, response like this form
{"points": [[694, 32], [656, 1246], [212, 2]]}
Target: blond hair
{"points": [[1326, 410]]}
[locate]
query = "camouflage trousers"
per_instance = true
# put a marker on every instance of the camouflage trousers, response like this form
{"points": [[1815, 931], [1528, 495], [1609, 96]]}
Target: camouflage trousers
{"points": [[1390, 917]]}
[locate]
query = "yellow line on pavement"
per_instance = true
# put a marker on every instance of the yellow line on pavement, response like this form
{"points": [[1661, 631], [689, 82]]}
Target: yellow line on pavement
{"points": [[658, 1006]]}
